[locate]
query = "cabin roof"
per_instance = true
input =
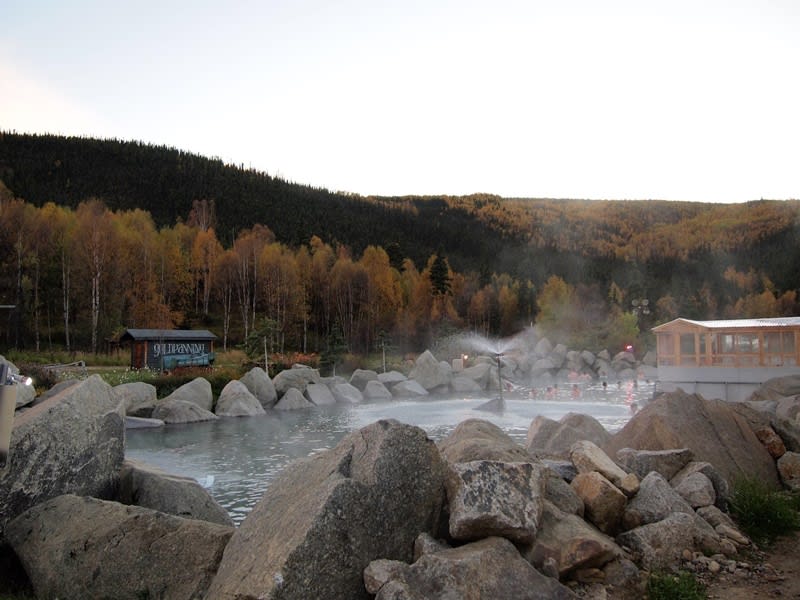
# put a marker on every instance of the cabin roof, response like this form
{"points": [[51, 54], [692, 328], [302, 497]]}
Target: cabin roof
{"points": [[724, 324], [167, 334]]}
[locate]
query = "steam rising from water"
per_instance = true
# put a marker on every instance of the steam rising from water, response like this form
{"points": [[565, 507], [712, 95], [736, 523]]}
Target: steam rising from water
{"points": [[238, 457]]}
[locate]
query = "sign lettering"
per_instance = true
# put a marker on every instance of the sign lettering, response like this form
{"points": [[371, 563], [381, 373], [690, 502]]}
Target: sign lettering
{"points": [[177, 348]]}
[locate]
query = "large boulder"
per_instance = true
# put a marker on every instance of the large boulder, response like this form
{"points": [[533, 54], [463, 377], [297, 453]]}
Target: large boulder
{"points": [[465, 385], [72, 443], [325, 518], [147, 486], [235, 400], [588, 457], [771, 440], [391, 377], [181, 411], [319, 394], [571, 542], [560, 493], [78, 547], [721, 487], [408, 389], [136, 396], [478, 373], [53, 391], [490, 568], [361, 377], [375, 390], [197, 391], [488, 498], [696, 489], [776, 388], [260, 385], [789, 469], [659, 545], [540, 432], [346, 393], [789, 432], [655, 501], [603, 502], [293, 399], [429, 372], [476, 439], [788, 408], [556, 438], [666, 462], [297, 377], [543, 347], [711, 429]]}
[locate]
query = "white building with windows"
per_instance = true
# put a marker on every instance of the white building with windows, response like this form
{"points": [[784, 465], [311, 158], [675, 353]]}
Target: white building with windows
{"points": [[726, 359]]}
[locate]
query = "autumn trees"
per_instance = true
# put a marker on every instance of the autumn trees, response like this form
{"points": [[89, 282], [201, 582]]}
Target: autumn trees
{"points": [[93, 272], [78, 277]]}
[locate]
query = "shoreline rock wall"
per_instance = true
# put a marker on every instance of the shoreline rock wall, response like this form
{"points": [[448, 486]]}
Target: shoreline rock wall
{"points": [[391, 514]]}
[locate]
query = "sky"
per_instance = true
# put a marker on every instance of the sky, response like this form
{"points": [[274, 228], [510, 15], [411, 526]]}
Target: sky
{"points": [[613, 99]]}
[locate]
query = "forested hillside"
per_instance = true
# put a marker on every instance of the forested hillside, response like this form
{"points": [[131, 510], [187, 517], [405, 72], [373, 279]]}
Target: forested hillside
{"points": [[165, 182], [99, 235]]}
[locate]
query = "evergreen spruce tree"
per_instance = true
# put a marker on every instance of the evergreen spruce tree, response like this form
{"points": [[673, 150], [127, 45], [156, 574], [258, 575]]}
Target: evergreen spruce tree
{"points": [[440, 275]]}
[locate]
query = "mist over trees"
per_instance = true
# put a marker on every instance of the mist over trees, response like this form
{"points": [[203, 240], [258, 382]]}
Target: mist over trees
{"points": [[98, 236]]}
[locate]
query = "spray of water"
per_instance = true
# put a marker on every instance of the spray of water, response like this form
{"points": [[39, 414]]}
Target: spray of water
{"points": [[474, 343]]}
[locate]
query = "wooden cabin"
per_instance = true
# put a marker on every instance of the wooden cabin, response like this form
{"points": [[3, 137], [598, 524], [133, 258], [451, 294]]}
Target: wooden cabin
{"points": [[726, 359], [167, 349]]}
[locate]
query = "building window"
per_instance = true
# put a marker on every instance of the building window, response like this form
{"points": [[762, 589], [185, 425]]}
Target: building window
{"points": [[688, 351], [747, 343], [666, 349], [789, 348]]}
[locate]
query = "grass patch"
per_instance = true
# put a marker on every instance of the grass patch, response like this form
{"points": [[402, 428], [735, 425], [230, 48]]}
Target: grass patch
{"points": [[764, 514], [51, 357], [681, 586]]}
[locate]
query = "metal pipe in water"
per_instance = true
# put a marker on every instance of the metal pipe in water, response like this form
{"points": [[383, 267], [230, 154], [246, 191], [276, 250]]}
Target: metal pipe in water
{"points": [[499, 376]]}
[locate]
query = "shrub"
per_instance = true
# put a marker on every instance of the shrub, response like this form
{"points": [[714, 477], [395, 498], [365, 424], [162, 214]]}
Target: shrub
{"points": [[43, 378], [764, 514], [683, 586], [218, 377]]}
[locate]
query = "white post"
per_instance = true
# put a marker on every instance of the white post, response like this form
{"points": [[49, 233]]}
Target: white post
{"points": [[8, 403]]}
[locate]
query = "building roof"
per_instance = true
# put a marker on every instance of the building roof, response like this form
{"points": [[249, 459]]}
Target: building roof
{"points": [[167, 334], [733, 323]]}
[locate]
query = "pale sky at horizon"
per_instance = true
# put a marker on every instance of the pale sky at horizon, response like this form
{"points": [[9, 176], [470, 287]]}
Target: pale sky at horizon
{"points": [[621, 99]]}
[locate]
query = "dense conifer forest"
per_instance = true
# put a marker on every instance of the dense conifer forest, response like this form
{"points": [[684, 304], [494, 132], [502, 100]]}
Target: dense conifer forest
{"points": [[99, 235]]}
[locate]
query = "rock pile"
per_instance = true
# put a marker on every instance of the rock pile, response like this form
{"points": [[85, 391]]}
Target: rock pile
{"points": [[86, 523], [387, 513], [302, 387]]}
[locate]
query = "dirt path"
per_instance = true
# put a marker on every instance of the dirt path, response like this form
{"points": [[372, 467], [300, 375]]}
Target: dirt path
{"points": [[775, 574]]}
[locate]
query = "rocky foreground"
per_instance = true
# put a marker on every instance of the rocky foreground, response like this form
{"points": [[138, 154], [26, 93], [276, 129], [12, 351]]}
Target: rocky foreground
{"points": [[390, 514]]}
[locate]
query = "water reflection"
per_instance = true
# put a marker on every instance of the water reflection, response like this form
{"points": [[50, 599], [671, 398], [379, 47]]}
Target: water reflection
{"points": [[235, 458]]}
